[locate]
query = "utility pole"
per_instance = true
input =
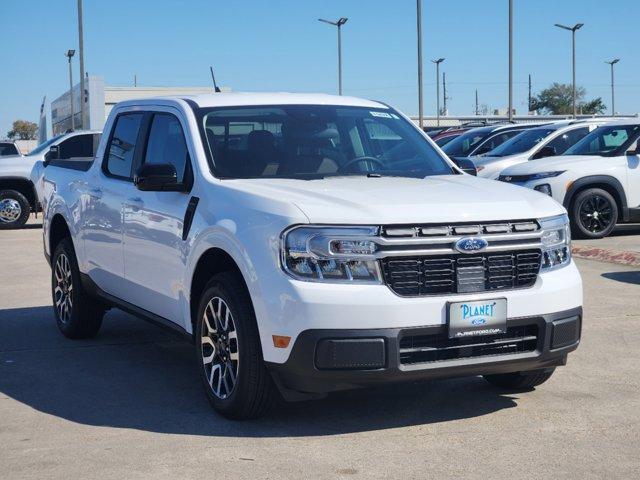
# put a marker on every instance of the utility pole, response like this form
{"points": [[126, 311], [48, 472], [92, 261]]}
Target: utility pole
{"points": [[511, 60], [613, 87], [444, 92], [438, 62], [135, 80], [338, 23], [529, 108], [573, 31], [81, 48], [69, 55], [420, 92], [477, 107]]}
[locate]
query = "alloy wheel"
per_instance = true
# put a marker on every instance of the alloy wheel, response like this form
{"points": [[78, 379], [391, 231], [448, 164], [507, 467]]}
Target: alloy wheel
{"points": [[63, 291], [10, 210], [595, 213], [219, 348]]}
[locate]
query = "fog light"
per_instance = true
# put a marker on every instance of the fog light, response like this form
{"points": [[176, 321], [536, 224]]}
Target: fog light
{"points": [[544, 188]]}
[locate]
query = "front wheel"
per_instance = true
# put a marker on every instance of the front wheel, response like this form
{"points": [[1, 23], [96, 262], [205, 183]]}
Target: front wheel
{"points": [[14, 209], [235, 378], [520, 380], [594, 213]]}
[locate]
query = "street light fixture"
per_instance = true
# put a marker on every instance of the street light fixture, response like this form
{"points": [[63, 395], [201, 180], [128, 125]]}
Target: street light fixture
{"points": [[69, 55], [613, 93], [573, 31], [420, 92], [438, 62], [338, 23]]}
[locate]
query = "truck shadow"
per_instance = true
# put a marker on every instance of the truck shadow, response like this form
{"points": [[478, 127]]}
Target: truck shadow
{"points": [[134, 375], [632, 277]]}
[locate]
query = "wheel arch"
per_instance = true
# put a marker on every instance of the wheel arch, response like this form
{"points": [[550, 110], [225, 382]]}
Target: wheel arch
{"points": [[607, 183], [211, 262], [22, 185], [58, 230]]}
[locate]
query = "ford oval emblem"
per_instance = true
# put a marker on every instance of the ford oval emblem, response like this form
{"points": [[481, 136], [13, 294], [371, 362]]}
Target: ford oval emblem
{"points": [[471, 245]]}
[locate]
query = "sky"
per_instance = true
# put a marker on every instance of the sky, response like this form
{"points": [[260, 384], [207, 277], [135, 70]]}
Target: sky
{"points": [[278, 45]]}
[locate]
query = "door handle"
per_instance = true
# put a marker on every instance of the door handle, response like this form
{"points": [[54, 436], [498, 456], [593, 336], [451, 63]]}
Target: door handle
{"points": [[135, 203]]}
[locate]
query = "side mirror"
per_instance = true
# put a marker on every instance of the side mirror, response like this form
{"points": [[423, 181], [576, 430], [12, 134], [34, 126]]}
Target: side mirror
{"points": [[52, 154], [546, 151], [466, 165], [157, 177]]}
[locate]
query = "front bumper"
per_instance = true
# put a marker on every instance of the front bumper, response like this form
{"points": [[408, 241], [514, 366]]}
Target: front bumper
{"points": [[326, 360]]}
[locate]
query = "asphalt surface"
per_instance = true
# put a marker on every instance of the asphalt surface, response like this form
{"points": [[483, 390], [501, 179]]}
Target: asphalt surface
{"points": [[129, 405], [624, 238]]}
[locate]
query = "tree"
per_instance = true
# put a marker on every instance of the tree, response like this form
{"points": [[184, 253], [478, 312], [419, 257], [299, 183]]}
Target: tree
{"points": [[558, 100], [23, 130]]}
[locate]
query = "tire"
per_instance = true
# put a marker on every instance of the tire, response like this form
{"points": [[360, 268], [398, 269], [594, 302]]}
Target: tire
{"points": [[77, 314], [594, 213], [235, 378], [14, 209], [520, 380]]}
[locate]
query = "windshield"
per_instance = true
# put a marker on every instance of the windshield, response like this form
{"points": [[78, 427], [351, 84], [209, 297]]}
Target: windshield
{"points": [[521, 143], [463, 145], [8, 149], [604, 140], [316, 141], [43, 146]]}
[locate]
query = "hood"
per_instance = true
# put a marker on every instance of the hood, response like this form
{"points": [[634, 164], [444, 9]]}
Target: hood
{"points": [[16, 165], [395, 200], [549, 164]]}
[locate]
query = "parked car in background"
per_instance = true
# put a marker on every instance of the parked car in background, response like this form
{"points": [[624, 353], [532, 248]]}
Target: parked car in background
{"points": [[483, 139], [18, 191], [540, 142], [9, 148], [597, 179], [445, 137], [308, 243]]}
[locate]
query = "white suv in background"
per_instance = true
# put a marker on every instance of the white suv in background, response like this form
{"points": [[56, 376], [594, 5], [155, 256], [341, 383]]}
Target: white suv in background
{"points": [[597, 180], [546, 141]]}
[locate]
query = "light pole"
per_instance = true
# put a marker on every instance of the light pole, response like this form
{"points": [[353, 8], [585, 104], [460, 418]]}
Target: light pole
{"points": [[81, 48], [69, 55], [573, 31], [510, 61], [613, 91], [438, 62], [338, 23], [420, 93]]}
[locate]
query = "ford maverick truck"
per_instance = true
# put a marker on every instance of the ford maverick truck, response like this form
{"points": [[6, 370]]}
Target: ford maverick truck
{"points": [[307, 244]]}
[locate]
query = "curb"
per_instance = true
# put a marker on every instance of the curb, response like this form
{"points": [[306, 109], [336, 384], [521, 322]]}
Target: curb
{"points": [[620, 257]]}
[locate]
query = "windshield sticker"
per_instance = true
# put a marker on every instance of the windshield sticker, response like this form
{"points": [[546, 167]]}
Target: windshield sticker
{"points": [[381, 114]]}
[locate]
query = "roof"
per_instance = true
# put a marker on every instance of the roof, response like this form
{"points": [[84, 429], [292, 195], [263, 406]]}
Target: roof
{"points": [[238, 99]]}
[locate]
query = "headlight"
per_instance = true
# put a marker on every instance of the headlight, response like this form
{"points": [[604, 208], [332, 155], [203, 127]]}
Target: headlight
{"points": [[541, 175], [556, 242], [330, 254]]}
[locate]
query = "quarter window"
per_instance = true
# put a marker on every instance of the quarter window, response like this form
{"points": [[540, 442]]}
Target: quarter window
{"points": [[123, 144]]}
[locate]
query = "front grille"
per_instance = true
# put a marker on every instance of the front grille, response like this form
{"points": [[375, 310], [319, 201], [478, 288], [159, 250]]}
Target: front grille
{"points": [[435, 348], [460, 273]]}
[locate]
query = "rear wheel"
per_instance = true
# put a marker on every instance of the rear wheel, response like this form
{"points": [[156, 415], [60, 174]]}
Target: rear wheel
{"points": [[594, 213], [14, 209], [520, 380], [235, 378], [77, 314]]}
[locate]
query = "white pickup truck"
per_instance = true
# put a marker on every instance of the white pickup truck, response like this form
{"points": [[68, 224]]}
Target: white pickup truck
{"points": [[18, 192], [308, 244]]}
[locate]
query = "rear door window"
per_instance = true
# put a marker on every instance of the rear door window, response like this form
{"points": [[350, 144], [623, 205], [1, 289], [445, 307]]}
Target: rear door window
{"points": [[121, 149]]}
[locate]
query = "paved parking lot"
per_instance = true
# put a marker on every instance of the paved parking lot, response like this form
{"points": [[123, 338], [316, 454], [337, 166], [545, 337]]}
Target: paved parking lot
{"points": [[129, 405]]}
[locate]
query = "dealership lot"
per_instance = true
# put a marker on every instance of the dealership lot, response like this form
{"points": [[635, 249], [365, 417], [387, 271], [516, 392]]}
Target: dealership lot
{"points": [[129, 405]]}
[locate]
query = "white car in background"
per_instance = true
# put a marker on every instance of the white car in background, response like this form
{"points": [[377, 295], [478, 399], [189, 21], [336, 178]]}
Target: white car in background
{"points": [[597, 180], [546, 141]]}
